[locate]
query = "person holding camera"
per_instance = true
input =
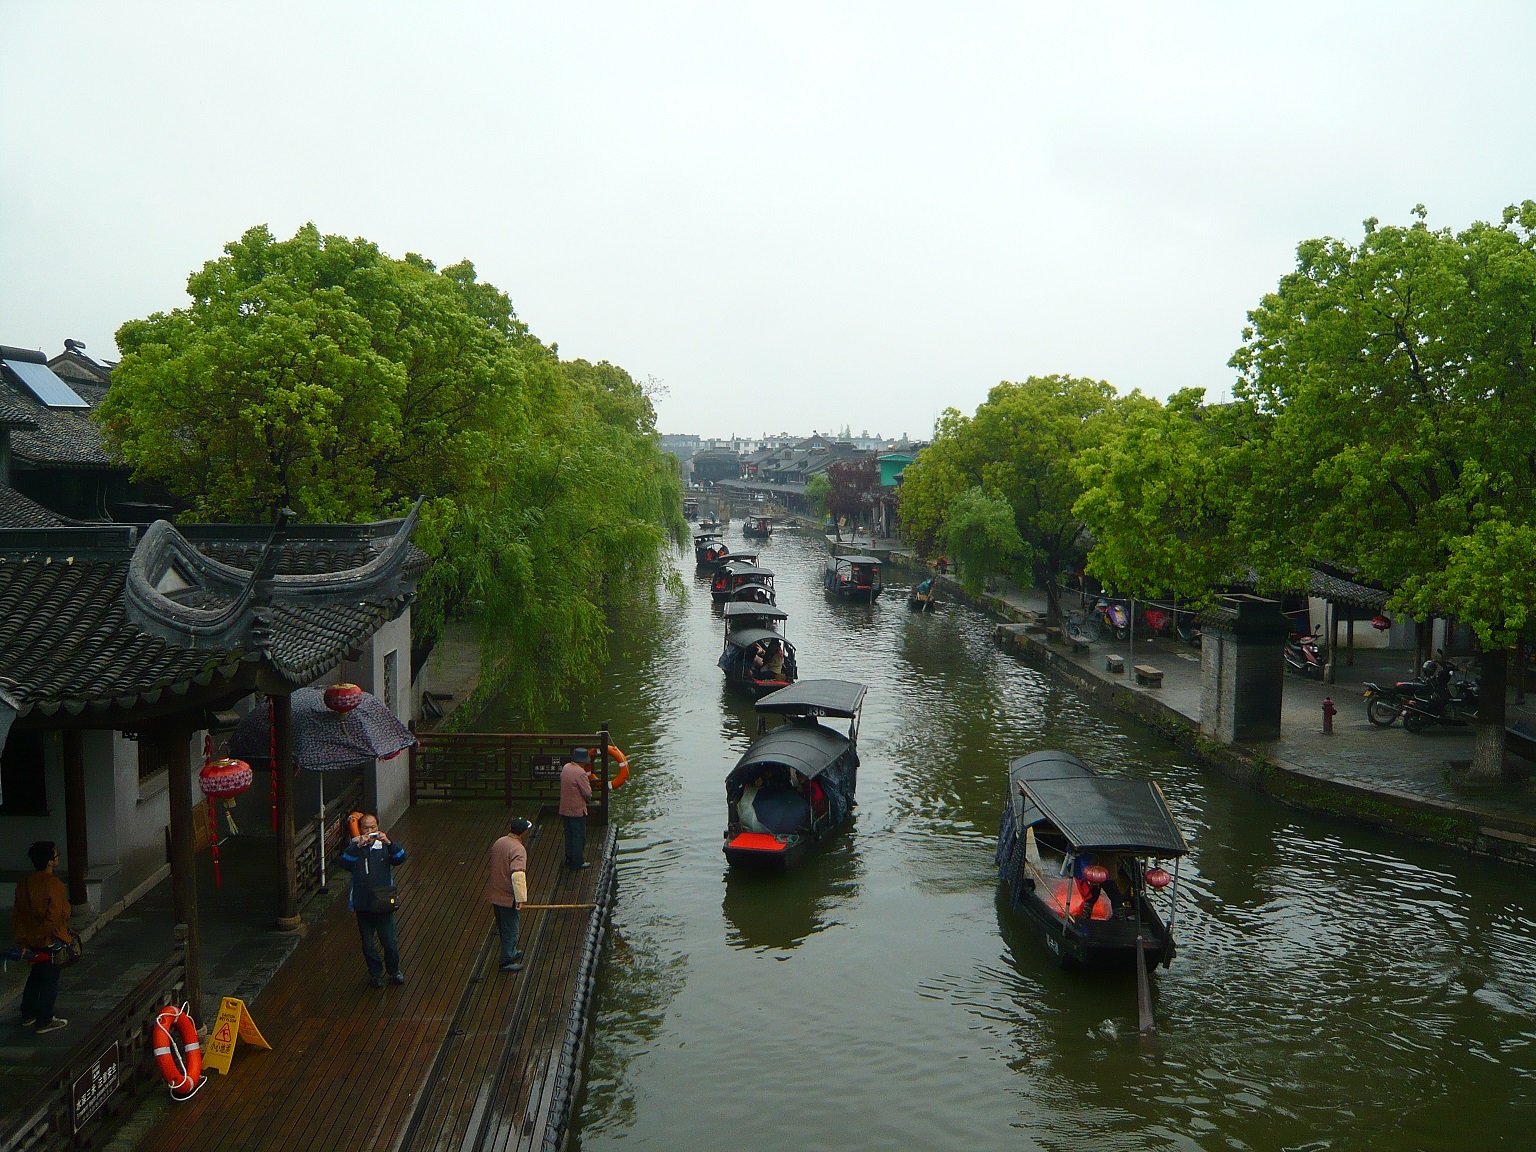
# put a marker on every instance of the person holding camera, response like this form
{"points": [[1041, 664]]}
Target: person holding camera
{"points": [[40, 919], [371, 856]]}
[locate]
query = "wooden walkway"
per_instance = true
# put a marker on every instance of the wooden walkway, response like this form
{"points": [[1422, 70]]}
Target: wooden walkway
{"points": [[463, 1056]]}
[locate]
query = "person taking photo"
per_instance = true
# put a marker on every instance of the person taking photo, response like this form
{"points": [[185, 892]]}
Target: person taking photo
{"points": [[371, 856]]}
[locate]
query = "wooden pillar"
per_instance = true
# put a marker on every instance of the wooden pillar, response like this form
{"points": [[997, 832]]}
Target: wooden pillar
{"points": [[1349, 628], [287, 866], [172, 743], [74, 815]]}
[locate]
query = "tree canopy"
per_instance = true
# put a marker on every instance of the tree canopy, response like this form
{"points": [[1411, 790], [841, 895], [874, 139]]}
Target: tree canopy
{"points": [[318, 374]]}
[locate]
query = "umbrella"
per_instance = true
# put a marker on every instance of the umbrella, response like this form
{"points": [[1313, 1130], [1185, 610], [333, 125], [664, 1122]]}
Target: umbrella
{"points": [[323, 739]]}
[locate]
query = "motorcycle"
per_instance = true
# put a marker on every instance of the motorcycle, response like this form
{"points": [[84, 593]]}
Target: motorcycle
{"points": [[1385, 703], [1304, 655], [1113, 615]]}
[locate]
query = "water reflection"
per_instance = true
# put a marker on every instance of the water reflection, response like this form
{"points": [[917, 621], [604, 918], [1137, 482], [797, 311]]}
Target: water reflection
{"points": [[779, 911]]}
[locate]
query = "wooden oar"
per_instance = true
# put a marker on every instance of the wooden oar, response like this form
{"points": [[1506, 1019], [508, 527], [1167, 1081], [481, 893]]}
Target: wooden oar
{"points": [[1143, 988], [545, 907]]}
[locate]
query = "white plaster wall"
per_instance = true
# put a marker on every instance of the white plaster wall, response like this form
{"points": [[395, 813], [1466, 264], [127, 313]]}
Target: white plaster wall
{"points": [[386, 786]]}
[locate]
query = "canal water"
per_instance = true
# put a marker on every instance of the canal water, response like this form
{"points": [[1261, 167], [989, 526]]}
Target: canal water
{"points": [[1335, 988]]}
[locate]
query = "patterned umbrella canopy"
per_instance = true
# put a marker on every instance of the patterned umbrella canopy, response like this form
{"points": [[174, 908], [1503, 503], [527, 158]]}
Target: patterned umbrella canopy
{"points": [[323, 739]]}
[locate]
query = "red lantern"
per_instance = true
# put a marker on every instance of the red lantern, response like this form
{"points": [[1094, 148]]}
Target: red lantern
{"points": [[1381, 623], [343, 697], [1159, 878], [223, 780], [1096, 874]]}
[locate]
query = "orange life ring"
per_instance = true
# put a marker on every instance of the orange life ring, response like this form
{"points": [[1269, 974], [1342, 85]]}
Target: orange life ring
{"points": [[182, 1067], [614, 755]]}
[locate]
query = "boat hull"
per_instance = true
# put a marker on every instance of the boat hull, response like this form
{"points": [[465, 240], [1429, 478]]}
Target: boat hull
{"points": [[1092, 945], [760, 852]]}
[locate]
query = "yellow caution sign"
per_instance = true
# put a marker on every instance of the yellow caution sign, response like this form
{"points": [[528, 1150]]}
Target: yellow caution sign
{"points": [[234, 1023]]}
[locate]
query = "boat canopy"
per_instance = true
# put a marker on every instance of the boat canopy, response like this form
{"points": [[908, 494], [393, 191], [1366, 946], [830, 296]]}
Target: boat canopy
{"points": [[740, 610], [858, 560], [747, 570], [704, 537], [1094, 813], [746, 637], [809, 749], [842, 698]]}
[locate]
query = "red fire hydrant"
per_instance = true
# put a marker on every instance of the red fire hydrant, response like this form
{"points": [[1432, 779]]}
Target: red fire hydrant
{"points": [[1329, 712]]}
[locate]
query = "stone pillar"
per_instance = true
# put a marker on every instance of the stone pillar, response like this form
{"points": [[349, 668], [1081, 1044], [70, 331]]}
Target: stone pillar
{"points": [[1242, 669]]}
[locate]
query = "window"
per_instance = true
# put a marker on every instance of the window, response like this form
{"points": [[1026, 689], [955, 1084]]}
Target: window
{"points": [[23, 778], [391, 671]]}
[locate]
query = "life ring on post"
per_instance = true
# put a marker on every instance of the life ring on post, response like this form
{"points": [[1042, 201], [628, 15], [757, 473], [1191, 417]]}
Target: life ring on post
{"points": [[615, 756], [181, 1057]]}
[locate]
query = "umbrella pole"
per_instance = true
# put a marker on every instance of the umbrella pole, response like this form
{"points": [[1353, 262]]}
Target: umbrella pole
{"points": [[320, 840]]}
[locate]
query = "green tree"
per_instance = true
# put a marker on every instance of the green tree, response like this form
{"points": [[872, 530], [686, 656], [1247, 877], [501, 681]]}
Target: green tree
{"points": [[1019, 446], [1394, 388], [1158, 497], [980, 534], [318, 374], [818, 495]]}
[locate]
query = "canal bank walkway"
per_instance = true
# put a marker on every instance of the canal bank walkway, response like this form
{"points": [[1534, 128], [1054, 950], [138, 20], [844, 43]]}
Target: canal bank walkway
{"points": [[1386, 777], [463, 1056]]}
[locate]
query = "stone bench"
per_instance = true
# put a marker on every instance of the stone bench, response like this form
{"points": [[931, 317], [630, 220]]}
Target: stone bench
{"points": [[1079, 643], [1115, 663], [1148, 676]]}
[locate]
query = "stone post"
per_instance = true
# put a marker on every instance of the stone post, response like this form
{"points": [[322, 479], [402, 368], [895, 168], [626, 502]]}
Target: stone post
{"points": [[1242, 669]]}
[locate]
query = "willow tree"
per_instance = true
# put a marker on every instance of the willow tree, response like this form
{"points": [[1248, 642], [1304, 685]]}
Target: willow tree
{"points": [[1019, 446], [318, 374], [1394, 382]]}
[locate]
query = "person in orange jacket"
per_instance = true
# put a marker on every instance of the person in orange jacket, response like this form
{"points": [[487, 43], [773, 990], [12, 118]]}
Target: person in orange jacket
{"points": [[40, 920]]}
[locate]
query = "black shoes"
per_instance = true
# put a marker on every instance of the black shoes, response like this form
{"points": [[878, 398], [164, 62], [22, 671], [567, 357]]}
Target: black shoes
{"points": [[376, 981], [397, 977], [579, 867]]}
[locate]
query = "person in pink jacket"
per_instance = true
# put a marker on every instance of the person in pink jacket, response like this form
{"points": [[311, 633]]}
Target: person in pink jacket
{"points": [[575, 791], [507, 889]]}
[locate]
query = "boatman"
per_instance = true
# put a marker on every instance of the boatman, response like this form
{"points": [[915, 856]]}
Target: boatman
{"points": [[575, 791], [507, 889]]}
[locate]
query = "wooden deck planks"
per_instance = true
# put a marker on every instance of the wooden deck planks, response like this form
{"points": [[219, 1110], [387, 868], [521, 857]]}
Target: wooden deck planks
{"points": [[457, 1058]]}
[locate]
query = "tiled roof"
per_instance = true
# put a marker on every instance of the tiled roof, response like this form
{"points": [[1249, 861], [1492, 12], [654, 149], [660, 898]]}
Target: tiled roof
{"points": [[80, 630], [60, 435], [16, 511], [1332, 585]]}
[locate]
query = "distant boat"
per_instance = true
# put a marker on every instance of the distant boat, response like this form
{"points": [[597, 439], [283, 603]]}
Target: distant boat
{"points": [[796, 784], [922, 597], [709, 549], [1077, 853], [742, 580], [757, 527], [853, 578], [756, 656]]}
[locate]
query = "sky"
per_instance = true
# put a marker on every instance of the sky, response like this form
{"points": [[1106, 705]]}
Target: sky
{"points": [[787, 216]]}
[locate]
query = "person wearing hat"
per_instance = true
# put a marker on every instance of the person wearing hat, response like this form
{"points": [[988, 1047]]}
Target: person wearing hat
{"points": [[575, 791], [507, 889]]}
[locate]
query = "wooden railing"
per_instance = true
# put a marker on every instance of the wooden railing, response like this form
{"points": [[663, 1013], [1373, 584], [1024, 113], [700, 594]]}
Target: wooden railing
{"points": [[517, 769], [86, 1093]]}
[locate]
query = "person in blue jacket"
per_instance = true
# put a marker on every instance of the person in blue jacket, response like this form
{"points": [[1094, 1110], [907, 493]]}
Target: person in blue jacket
{"points": [[371, 856]]}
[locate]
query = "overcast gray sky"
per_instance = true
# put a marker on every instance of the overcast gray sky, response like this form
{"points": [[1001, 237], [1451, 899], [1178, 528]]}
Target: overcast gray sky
{"points": [[794, 216]]}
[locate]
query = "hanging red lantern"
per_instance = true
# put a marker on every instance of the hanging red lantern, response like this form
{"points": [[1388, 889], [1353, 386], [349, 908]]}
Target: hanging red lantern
{"points": [[343, 697], [223, 780], [1096, 874], [1159, 878]]}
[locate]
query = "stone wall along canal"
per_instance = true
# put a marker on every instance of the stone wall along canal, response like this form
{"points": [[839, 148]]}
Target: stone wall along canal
{"points": [[1336, 988]]}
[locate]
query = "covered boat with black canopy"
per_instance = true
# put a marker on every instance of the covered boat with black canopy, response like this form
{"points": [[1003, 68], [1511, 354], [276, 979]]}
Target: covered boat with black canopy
{"points": [[709, 549], [1079, 852], [853, 578], [738, 579], [757, 527], [796, 784], [756, 655]]}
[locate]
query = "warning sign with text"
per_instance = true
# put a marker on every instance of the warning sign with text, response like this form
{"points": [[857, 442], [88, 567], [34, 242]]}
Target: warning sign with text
{"points": [[234, 1023]]}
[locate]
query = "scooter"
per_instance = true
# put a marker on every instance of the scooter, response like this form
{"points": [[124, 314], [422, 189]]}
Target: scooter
{"points": [[1113, 615], [1304, 655]]}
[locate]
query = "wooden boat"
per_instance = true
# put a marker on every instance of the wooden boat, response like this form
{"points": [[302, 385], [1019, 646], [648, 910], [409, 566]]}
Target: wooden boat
{"points": [[709, 522], [756, 656], [757, 527], [853, 577], [741, 580], [1078, 855], [709, 550], [923, 596], [690, 509], [796, 784]]}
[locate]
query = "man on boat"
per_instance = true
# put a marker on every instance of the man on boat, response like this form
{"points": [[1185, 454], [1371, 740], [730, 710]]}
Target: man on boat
{"points": [[507, 889], [575, 791]]}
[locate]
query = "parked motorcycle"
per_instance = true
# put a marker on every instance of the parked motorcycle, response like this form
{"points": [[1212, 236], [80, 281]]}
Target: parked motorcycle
{"points": [[1304, 656], [1385, 703], [1113, 615]]}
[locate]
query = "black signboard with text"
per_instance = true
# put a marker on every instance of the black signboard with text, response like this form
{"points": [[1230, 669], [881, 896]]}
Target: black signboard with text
{"points": [[94, 1087]]}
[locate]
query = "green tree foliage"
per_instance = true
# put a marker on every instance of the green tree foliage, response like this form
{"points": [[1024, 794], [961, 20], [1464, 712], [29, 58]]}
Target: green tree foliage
{"points": [[1018, 446], [980, 534], [316, 373], [1394, 385], [1158, 497], [818, 495]]}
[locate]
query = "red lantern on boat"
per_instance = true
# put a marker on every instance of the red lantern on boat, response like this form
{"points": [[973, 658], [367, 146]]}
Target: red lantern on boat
{"points": [[1159, 878], [1381, 623], [343, 697], [1096, 874], [223, 780]]}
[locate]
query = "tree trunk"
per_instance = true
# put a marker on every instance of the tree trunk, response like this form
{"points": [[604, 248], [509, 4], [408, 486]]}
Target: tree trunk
{"points": [[1488, 749]]}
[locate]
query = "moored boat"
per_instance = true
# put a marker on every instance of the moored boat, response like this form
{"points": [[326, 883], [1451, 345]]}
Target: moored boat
{"points": [[853, 577], [1078, 854], [796, 784]]}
